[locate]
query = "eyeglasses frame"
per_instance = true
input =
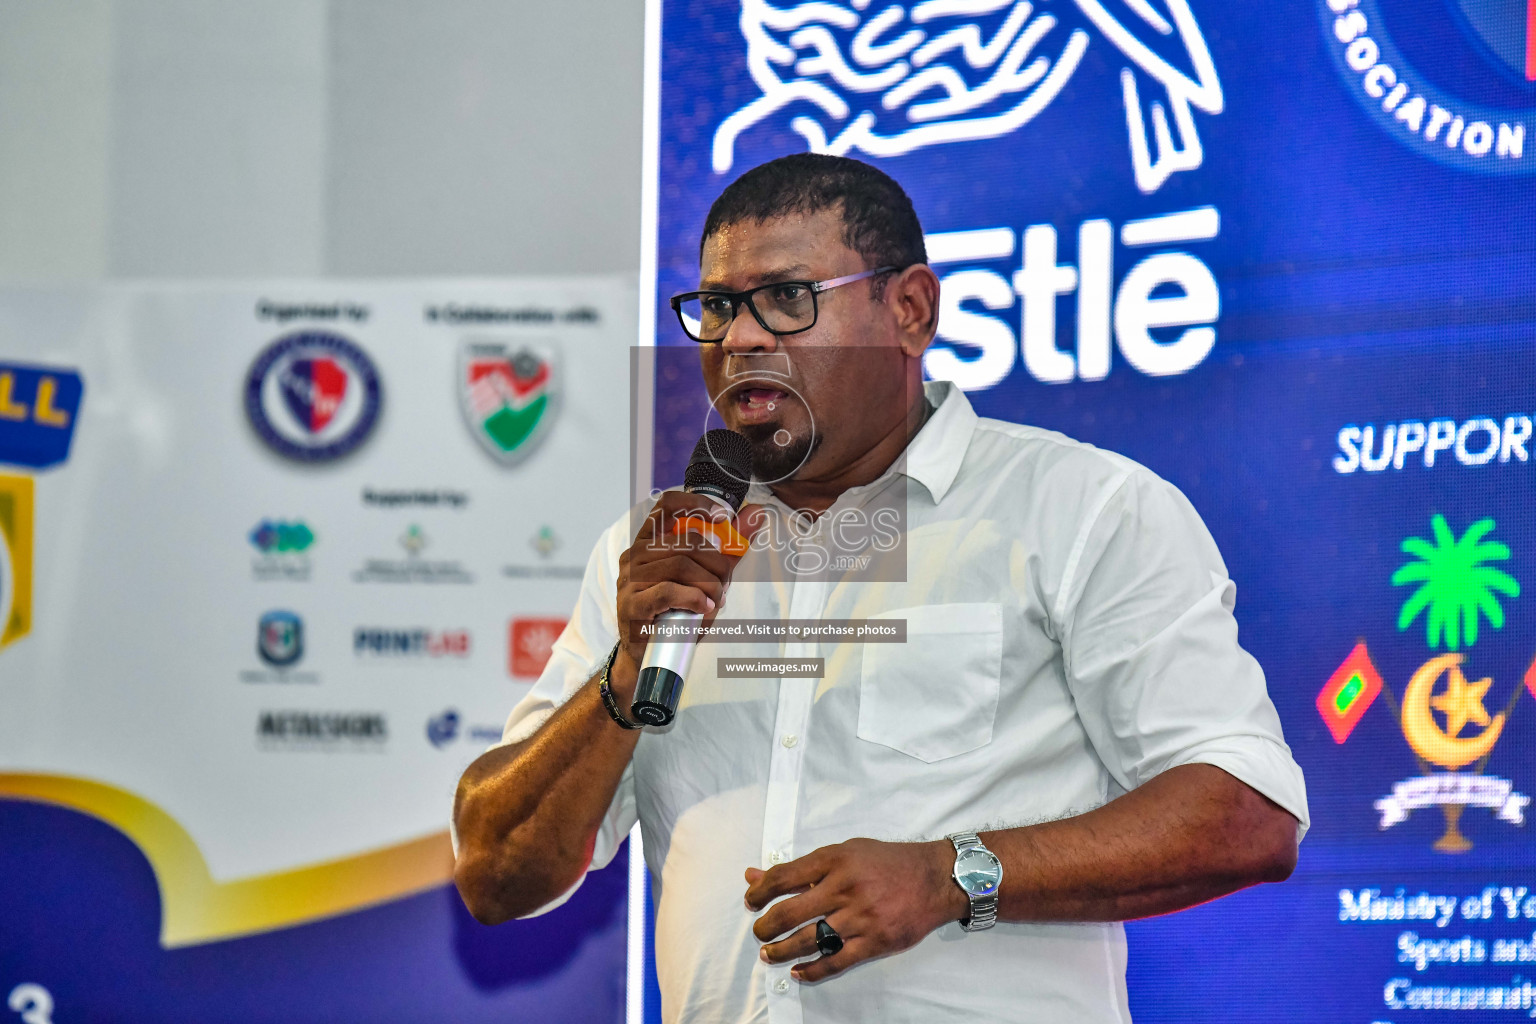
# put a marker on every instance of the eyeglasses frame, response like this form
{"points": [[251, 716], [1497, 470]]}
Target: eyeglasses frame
{"points": [[738, 299]]}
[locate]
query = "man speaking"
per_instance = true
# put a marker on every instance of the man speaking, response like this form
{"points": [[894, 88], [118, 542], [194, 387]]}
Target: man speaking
{"points": [[945, 829]]}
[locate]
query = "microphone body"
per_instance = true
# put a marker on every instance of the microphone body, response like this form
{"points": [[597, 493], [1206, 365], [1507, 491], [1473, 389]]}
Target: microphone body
{"points": [[720, 468]]}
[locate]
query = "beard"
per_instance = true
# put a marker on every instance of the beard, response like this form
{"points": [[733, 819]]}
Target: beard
{"points": [[772, 461]]}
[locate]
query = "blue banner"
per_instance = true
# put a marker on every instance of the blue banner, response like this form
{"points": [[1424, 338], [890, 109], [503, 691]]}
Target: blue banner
{"points": [[1283, 256]]}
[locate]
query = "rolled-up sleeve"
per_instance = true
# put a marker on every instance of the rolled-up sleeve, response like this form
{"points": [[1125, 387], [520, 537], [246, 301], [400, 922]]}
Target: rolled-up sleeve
{"points": [[576, 656], [1151, 650]]}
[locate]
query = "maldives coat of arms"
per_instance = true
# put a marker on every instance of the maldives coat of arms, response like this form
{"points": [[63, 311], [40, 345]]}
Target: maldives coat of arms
{"points": [[510, 394], [1454, 583]]}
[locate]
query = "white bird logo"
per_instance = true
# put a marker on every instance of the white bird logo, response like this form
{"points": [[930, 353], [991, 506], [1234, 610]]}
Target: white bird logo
{"points": [[932, 64]]}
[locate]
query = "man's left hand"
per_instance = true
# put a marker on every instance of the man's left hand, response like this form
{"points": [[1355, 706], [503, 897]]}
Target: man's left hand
{"points": [[881, 898]]}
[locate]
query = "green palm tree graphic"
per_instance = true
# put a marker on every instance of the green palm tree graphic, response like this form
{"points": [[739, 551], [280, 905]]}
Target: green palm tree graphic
{"points": [[1455, 584]]}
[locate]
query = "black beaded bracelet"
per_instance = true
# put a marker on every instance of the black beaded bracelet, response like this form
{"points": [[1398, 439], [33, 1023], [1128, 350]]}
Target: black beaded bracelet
{"points": [[605, 690]]}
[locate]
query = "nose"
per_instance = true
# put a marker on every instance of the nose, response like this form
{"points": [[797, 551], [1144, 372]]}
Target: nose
{"points": [[747, 335]]}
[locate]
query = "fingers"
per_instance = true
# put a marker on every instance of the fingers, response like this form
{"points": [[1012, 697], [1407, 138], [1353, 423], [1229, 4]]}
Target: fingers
{"points": [[673, 505], [795, 876], [802, 943], [680, 565], [644, 605], [810, 905], [854, 950]]}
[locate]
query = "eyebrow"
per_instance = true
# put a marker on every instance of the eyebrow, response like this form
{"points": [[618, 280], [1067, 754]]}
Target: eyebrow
{"points": [[793, 272]]}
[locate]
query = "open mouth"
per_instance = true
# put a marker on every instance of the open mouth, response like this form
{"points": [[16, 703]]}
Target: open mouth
{"points": [[758, 404]]}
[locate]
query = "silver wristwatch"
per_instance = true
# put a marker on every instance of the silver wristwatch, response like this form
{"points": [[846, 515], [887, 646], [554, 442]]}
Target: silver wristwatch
{"points": [[978, 872]]}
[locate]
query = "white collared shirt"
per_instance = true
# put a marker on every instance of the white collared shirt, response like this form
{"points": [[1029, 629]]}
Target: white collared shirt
{"points": [[1069, 636]]}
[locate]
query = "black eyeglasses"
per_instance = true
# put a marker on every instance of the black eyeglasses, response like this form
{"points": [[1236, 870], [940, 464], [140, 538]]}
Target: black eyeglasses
{"points": [[784, 307]]}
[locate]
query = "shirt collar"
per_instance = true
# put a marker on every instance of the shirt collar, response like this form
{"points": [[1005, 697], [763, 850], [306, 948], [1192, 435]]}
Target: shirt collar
{"points": [[933, 457]]}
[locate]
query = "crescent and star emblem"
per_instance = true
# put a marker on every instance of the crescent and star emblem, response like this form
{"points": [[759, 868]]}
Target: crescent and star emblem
{"points": [[1461, 703]]}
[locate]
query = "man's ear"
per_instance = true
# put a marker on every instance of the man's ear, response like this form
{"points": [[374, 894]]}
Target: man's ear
{"points": [[914, 298]]}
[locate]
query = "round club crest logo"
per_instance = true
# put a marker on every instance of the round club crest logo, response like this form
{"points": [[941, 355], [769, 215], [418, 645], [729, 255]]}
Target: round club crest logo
{"points": [[313, 396], [1484, 132], [510, 394], [280, 638]]}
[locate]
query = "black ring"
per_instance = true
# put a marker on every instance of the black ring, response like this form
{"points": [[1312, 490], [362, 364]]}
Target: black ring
{"points": [[827, 939]]}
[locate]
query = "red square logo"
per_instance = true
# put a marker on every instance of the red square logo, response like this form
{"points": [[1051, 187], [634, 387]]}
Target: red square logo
{"points": [[528, 644]]}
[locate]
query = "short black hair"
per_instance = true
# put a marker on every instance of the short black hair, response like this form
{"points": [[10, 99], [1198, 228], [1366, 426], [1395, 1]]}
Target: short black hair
{"points": [[878, 220]]}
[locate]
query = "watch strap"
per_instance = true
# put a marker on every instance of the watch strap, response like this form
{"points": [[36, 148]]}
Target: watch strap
{"points": [[983, 908], [605, 691]]}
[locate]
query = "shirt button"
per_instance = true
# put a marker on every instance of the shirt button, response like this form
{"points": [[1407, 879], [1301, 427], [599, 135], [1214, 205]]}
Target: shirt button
{"points": [[790, 740], [776, 857], [782, 985]]}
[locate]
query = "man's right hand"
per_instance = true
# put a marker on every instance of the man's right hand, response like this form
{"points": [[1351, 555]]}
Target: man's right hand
{"points": [[667, 570]]}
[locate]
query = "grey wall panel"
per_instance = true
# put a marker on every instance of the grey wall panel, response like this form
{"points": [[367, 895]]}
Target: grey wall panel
{"points": [[484, 137], [218, 138]]}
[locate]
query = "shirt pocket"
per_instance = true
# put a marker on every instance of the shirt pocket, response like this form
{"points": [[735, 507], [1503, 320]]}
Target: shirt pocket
{"points": [[934, 696]]}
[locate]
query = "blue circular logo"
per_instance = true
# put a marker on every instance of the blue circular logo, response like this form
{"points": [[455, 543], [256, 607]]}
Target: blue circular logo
{"points": [[313, 396], [1491, 39]]}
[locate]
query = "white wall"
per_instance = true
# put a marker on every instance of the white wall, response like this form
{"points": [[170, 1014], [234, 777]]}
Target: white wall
{"points": [[234, 138]]}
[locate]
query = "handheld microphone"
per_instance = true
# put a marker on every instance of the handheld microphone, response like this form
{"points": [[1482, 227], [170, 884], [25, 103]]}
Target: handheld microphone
{"points": [[719, 469]]}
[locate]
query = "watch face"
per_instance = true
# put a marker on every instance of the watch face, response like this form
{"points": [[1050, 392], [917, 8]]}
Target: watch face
{"points": [[978, 872]]}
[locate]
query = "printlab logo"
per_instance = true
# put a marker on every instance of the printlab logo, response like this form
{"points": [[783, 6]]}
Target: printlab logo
{"points": [[1433, 122], [15, 557], [886, 82], [411, 642], [510, 395], [282, 550], [1456, 587], [313, 396]]}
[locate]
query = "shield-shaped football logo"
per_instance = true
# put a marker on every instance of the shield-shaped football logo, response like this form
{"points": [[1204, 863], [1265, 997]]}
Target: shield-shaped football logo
{"points": [[280, 638], [313, 389], [510, 393]]}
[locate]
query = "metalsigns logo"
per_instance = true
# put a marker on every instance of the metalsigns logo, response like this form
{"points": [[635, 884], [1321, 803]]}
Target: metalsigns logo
{"points": [[1443, 125], [883, 81], [280, 638], [38, 409], [15, 558], [313, 396], [1456, 587], [321, 730], [510, 394]]}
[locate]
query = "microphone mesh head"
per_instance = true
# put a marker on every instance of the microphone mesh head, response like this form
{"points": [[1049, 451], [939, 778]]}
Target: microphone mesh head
{"points": [[721, 466]]}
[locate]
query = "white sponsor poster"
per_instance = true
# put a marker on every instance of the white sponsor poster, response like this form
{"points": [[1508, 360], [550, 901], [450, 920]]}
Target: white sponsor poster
{"points": [[310, 544]]}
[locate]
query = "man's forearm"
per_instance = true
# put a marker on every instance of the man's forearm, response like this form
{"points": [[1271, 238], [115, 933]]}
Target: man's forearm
{"points": [[1189, 835], [527, 815]]}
